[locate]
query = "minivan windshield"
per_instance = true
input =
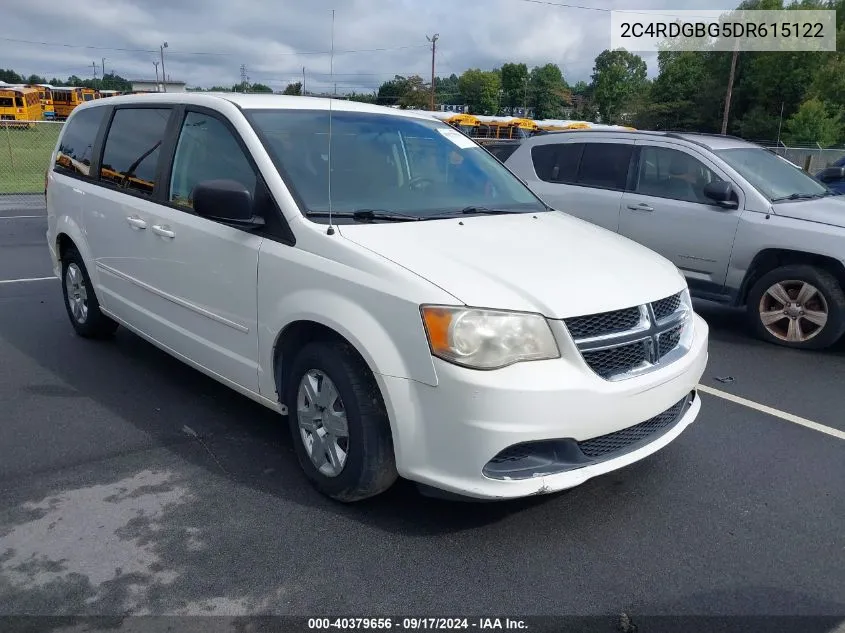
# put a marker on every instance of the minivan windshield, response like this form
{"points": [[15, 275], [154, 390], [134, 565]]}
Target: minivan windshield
{"points": [[387, 163], [771, 175]]}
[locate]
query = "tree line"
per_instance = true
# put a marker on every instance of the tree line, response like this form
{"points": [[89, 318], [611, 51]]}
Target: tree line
{"points": [[795, 96]]}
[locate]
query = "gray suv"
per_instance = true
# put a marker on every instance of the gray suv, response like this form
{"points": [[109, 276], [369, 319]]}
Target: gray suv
{"points": [[746, 227]]}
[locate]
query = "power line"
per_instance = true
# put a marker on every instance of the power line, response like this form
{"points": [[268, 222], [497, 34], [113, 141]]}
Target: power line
{"points": [[172, 52], [603, 9]]}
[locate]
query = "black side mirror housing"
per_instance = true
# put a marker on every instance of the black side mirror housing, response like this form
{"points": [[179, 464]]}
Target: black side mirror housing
{"points": [[721, 193], [832, 174], [226, 201]]}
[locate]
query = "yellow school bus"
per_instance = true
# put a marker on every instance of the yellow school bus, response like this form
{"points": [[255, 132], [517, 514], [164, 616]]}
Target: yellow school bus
{"points": [[89, 94], [65, 99], [45, 93], [19, 103]]}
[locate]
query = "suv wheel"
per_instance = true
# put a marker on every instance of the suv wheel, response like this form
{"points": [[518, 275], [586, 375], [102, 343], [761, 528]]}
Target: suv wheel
{"points": [[80, 301], [339, 425], [798, 306]]}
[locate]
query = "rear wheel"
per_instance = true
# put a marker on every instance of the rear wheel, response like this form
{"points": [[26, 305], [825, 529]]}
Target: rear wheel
{"points": [[338, 422], [798, 306], [81, 303]]}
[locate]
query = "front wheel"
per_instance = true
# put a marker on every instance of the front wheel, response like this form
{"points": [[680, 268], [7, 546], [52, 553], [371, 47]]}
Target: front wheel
{"points": [[338, 422], [798, 306]]}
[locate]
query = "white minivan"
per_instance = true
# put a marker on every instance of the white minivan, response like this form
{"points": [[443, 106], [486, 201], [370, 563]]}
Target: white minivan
{"points": [[382, 281]]}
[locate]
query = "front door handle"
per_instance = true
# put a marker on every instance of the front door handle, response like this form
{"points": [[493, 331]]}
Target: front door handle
{"points": [[164, 231], [642, 206], [136, 223]]}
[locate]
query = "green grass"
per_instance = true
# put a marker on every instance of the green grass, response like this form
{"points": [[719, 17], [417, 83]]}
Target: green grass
{"points": [[25, 156]]}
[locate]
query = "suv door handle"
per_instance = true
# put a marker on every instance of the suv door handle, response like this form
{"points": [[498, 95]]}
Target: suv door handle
{"points": [[642, 206], [136, 223], [164, 231]]}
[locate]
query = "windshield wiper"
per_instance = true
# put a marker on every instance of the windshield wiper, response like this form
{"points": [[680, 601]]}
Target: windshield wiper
{"points": [[799, 196], [472, 210], [367, 215]]}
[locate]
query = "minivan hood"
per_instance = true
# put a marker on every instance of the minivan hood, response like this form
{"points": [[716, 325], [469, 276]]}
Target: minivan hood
{"points": [[551, 262], [830, 210]]}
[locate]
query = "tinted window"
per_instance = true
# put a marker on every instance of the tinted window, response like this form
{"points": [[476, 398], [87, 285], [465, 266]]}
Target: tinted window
{"points": [[206, 150], [557, 163], [605, 165], [408, 165], [502, 151], [6, 102], [133, 148], [77, 144], [671, 173]]}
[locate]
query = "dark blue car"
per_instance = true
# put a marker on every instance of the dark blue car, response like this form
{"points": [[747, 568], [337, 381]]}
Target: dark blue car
{"points": [[834, 176]]}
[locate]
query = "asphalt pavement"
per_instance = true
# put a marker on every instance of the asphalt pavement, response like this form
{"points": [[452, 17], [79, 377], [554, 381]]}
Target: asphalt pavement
{"points": [[130, 483]]}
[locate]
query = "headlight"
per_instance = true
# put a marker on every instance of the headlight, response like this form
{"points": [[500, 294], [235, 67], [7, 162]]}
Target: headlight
{"points": [[487, 339]]}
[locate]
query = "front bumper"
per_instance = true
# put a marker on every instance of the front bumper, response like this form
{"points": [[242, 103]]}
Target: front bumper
{"points": [[446, 436]]}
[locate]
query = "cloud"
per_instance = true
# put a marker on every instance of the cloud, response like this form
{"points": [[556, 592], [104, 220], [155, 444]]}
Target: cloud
{"points": [[208, 40]]}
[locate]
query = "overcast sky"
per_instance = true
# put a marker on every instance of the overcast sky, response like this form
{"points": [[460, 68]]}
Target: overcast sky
{"points": [[210, 39]]}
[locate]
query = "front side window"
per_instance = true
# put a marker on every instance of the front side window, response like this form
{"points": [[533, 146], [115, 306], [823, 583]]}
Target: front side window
{"points": [[772, 176], [671, 173], [206, 150], [557, 162], [19, 102], [133, 148], [77, 144], [385, 162]]}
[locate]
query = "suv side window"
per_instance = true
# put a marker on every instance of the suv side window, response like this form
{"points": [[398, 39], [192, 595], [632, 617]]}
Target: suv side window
{"points": [[76, 148], [133, 148], [557, 162], [671, 173], [605, 165], [206, 150]]}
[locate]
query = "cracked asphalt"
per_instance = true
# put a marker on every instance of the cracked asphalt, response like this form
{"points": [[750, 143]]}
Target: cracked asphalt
{"points": [[132, 484]]}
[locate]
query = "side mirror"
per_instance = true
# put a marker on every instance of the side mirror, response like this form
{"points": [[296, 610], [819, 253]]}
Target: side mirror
{"points": [[227, 201], [831, 174], [721, 193]]}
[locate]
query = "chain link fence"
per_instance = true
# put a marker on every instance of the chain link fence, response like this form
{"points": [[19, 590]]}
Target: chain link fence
{"points": [[811, 158], [25, 149]]}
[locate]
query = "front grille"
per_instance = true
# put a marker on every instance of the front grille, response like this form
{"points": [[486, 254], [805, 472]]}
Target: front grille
{"points": [[623, 342], [668, 341], [666, 307], [615, 360], [603, 323], [627, 438]]}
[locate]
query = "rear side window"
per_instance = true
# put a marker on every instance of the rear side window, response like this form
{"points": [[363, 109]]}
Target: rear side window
{"points": [[502, 151], [133, 148], [77, 144], [558, 162], [605, 165]]}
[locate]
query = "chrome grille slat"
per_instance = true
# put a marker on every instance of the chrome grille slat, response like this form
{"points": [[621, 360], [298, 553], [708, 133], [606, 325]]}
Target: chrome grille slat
{"points": [[631, 341]]}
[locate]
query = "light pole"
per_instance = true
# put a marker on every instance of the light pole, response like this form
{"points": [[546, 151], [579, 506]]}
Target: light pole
{"points": [[433, 39], [163, 75], [156, 65]]}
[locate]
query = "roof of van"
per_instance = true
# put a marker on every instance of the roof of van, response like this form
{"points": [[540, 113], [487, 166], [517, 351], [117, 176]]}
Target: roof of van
{"points": [[256, 102], [710, 141]]}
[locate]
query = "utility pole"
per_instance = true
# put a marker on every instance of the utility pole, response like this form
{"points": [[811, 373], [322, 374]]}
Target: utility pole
{"points": [[244, 78], [156, 65], [94, 66], [730, 89], [163, 80], [303, 81], [433, 39], [104, 67]]}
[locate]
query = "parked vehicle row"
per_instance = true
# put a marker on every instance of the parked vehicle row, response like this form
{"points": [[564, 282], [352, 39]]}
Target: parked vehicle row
{"points": [[411, 306], [36, 102], [745, 227]]}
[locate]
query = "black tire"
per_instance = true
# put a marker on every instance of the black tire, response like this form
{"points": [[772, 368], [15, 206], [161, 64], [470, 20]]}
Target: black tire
{"points": [[370, 466], [828, 287], [95, 324]]}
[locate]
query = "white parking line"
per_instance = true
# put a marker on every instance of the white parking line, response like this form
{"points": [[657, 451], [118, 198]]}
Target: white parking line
{"points": [[20, 281], [783, 415], [20, 217]]}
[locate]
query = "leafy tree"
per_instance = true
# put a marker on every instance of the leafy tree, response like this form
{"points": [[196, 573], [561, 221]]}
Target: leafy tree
{"points": [[262, 88], [416, 94], [514, 84], [549, 92], [447, 91], [480, 90], [674, 92], [293, 89], [618, 77], [10, 76], [813, 124]]}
